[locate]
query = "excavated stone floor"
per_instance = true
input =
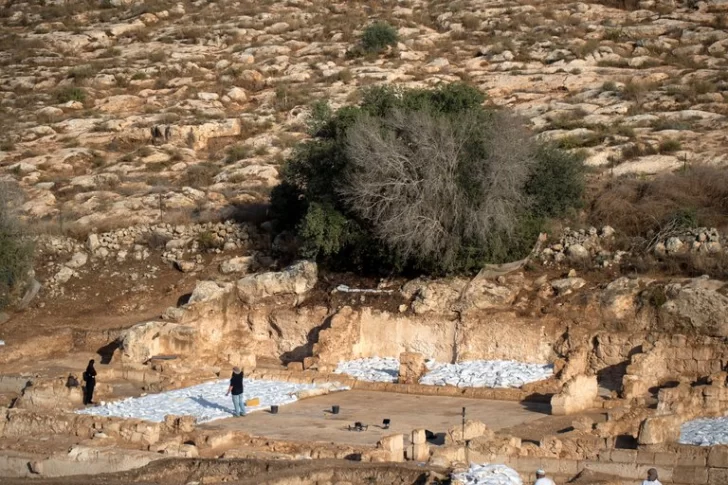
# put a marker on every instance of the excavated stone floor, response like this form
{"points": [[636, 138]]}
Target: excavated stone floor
{"points": [[312, 420]]}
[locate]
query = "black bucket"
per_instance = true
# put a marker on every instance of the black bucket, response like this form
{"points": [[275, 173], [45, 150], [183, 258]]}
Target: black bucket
{"points": [[334, 409], [274, 409]]}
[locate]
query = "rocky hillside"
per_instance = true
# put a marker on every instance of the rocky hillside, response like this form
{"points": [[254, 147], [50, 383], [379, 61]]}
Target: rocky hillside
{"points": [[116, 112]]}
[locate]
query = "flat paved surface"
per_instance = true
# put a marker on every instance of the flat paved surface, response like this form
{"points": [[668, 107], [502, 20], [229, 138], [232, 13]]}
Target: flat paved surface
{"points": [[311, 419]]}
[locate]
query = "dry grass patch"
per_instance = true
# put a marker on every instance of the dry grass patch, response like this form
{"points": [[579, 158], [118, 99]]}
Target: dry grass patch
{"points": [[634, 206], [198, 176]]}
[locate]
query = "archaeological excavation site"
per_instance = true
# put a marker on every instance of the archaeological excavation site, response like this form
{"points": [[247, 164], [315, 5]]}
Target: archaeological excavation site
{"points": [[392, 242]]}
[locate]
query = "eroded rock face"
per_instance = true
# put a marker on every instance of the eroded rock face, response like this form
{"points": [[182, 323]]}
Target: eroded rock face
{"points": [[294, 281], [366, 333], [505, 336], [146, 340]]}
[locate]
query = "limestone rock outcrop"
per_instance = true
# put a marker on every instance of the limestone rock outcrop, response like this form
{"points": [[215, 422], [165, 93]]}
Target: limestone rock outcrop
{"points": [[696, 307], [295, 281], [146, 340], [577, 395]]}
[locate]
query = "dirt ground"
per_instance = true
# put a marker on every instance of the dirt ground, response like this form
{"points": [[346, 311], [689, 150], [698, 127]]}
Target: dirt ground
{"points": [[312, 419]]}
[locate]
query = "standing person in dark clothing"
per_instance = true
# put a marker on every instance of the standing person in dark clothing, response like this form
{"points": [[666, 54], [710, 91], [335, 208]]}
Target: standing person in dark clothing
{"points": [[89, 376], [236, 389]]}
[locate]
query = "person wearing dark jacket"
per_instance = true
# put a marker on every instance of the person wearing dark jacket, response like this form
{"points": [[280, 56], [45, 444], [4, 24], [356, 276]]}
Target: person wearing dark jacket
{"points": [[236, 389], [89, 376]]}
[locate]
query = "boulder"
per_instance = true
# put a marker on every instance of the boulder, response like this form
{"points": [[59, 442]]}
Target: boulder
{"points": [[695, 308], [564, 286], [484, 293], [577, 252], [618, 300], [438, 296], [411, 367], [296, 280], [577, 395], [63, 275], [206, 291], [93, 243], [238, 95], [236, 265], [77, 260], [185, 266]]}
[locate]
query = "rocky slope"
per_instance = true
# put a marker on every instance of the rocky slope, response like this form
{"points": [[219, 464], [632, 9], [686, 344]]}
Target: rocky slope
{"points": [[118, 112]]}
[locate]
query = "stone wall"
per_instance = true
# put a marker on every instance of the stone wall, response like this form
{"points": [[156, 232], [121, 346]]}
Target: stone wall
{"points": [[365, 332], [677, 466], [674, 359]]}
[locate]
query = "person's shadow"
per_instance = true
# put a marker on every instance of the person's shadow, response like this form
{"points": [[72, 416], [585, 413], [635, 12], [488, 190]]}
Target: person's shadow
{"points": [[211, 405]]}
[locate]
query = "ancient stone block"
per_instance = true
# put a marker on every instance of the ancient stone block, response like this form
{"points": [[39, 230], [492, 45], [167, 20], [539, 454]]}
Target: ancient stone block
{"points": [[473, 429], [295, 366], [623, 456], [419, 437], [692, 456], [718, 457], [659, 429], [445, 456], [420, 453], [393, 442], [717, 476], [180, 424], [577, 395], [411, 367], [690, 474], [377, 456]]}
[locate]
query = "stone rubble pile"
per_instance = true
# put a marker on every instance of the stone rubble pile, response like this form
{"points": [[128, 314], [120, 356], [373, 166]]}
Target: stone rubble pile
{"points": [[697, 240], [582, 245], [136, 243], [590, 245]]}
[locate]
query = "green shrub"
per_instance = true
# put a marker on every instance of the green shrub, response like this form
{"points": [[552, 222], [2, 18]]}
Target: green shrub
{"points": [[16, 250], [199, 176], [236, 152], [377, 37], [208, 240], [71, 94], [422, 179], [669, 145]]}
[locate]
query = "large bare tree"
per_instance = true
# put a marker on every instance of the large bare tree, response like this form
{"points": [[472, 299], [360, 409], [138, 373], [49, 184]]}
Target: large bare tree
{"points": [[431, 185]]}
